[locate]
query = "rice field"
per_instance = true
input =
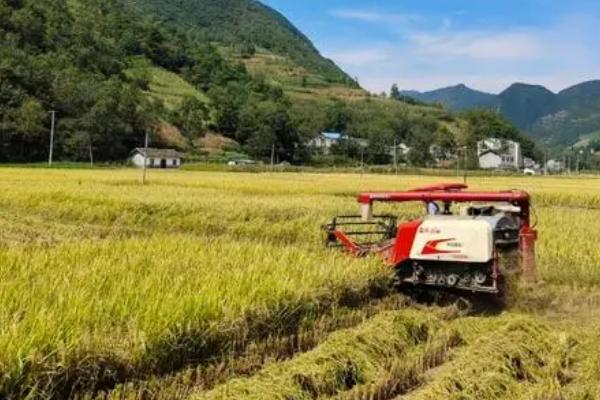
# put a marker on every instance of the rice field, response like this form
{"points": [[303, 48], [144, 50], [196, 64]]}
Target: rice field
{"points": [[209, 285]]}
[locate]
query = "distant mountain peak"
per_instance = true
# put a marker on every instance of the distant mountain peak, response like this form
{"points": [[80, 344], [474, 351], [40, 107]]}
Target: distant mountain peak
{"points": [[553, 117], [458, 97], [526, 87]]}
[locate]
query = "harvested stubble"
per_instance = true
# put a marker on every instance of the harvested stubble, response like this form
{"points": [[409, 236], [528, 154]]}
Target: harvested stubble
{"points": [[508, 357], [585, 384], [348, 359]]}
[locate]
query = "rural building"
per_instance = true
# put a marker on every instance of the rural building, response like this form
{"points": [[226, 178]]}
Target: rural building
{"points": [[530, 163], [325, 140], [499, 154], [401, 150], [555, 166], [156, 158]]}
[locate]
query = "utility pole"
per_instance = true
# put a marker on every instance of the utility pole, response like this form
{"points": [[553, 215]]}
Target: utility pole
{"points": [[272, 157], [546, 162], [396, 157], [91, 156], [465, 161], [571, 159], [53, 114], [362, 160], [147, 139], [90, 150], [457, 163]]}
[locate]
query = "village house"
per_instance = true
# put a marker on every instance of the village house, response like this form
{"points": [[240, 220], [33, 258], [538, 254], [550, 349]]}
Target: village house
{"points": [[555, 166], [400, 151], [326, 140], [156, 158], [496, 153]]}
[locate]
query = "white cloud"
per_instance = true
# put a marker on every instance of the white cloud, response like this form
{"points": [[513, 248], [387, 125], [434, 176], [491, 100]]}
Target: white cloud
{"points": [[361, 57], [374, 16], [510, 46], [426, 56]]}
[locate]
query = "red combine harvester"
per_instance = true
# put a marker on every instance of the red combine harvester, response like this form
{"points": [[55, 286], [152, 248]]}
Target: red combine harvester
{"points": [[468, 249]]}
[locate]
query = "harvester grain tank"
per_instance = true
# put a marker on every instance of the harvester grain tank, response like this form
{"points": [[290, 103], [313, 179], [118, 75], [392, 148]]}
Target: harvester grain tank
{"points": [[467, 240]]}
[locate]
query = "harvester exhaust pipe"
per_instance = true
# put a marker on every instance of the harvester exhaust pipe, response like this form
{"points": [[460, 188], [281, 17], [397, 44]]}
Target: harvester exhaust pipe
{"points": [[527, 243], [366, 212]]}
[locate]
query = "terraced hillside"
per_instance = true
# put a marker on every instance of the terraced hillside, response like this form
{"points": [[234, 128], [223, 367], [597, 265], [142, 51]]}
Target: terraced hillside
{"points": [[217, 286], [243, 24]]}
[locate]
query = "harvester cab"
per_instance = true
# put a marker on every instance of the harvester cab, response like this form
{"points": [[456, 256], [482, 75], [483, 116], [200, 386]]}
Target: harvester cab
{"points": [[474, 248]]}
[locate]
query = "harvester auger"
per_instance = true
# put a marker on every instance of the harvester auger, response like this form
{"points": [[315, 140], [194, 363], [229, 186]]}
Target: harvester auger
{"points": [[474, 248]]}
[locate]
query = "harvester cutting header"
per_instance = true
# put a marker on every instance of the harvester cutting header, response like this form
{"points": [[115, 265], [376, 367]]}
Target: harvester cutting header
{"points": [[468, 248]]}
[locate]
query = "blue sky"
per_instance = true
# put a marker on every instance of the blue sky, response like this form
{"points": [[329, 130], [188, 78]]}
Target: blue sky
{"points": [[427, 44]]}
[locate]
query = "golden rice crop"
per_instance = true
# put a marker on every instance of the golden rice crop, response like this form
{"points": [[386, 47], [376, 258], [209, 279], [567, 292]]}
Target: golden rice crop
{"points": [[102, 280], [138, 306]]}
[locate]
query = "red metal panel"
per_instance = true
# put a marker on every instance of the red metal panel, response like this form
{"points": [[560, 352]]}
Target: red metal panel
{"points": [[512, 197], [431, 247], [518, 197], [348, 243], [442, 186], [404, 241]]}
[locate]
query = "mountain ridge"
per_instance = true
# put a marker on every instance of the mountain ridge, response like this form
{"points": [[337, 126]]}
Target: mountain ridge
{"points": [[554, 117]]}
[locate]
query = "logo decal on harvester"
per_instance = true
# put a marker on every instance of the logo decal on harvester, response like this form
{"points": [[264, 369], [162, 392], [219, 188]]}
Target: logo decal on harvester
{"points": [[431, 247]]}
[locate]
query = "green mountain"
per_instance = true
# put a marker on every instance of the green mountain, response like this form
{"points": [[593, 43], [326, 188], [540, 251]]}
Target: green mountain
{"points": [[575, 116], [114, 70], [524, 104], [245, 25], [456, 98], [584, 97], [560, 119]]}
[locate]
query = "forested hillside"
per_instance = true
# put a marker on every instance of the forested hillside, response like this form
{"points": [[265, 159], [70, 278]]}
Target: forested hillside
{"points": [[112, 73], [244, 25]]}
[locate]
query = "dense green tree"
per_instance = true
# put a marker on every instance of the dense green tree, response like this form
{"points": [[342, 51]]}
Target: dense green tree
{"points": [[72, 57], [338, 117], [395, 92], [347, 148], [274, 130], [191, 117], [484, 124], [420, 152]]}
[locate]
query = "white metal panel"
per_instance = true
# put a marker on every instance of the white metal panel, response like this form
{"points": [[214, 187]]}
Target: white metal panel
{"points": [[453, 239]]}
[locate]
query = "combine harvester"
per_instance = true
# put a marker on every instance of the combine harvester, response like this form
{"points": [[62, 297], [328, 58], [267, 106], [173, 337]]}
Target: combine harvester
{"points": [[489, 238]]}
